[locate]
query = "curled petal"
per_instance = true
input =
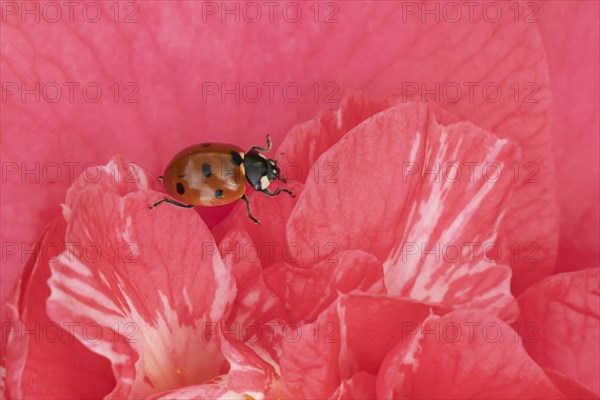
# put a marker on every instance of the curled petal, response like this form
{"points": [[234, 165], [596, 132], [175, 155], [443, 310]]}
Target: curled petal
{"points": [[469, 356], [394, 209], [40, 357], [149, 290], [560, 324]]}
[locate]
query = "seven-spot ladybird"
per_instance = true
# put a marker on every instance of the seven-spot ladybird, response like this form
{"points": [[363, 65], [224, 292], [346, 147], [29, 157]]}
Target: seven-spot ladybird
{"points": [[212, 174]]}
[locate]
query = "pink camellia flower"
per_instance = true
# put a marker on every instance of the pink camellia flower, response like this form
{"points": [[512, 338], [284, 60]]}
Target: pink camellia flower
{"points": [[129, 300], [390, 275], [174, 320]]}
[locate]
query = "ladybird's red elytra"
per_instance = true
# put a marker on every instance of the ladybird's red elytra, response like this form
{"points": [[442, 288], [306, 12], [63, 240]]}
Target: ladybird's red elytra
{"points": [[214, 174]]}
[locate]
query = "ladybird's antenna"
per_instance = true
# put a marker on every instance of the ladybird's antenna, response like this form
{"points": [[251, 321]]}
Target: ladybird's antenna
{"points": [[265, 149]]}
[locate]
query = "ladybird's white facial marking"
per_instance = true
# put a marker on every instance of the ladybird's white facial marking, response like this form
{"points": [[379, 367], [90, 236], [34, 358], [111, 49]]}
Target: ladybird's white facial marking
{"points": [[264, 182]]}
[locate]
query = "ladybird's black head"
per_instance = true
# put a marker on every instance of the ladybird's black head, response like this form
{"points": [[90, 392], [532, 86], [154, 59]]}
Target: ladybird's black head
{"points": [[273, 170], [260, 171]]}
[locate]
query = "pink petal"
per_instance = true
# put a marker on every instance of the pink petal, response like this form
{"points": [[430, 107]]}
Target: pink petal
{"points": [[373, 325], [305, 142], [309, 357], [254, 302], [354, 334], [560, 325], [249, 373], [465, 355], [374, 196], [306, 292], [152, 290], [41, 358], [572, 28]]}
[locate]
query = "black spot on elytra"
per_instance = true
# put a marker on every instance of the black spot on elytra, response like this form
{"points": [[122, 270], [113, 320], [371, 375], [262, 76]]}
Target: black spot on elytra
{"points": [[218, 193], [236, 158], [180, 188], [206, 170], [206, 144]]}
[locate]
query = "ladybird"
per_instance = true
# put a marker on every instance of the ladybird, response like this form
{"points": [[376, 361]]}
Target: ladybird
{"points": [[214, 174]]}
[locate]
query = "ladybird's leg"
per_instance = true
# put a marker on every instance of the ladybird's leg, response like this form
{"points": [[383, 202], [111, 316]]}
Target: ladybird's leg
{"points": [[245, 199], [178, 204], [266, 149], [279, 190], [156, 203], [282, 179], [167, 200]]}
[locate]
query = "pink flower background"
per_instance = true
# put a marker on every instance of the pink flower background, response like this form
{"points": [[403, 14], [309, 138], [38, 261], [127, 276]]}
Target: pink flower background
{"points": [[168, 54]]}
